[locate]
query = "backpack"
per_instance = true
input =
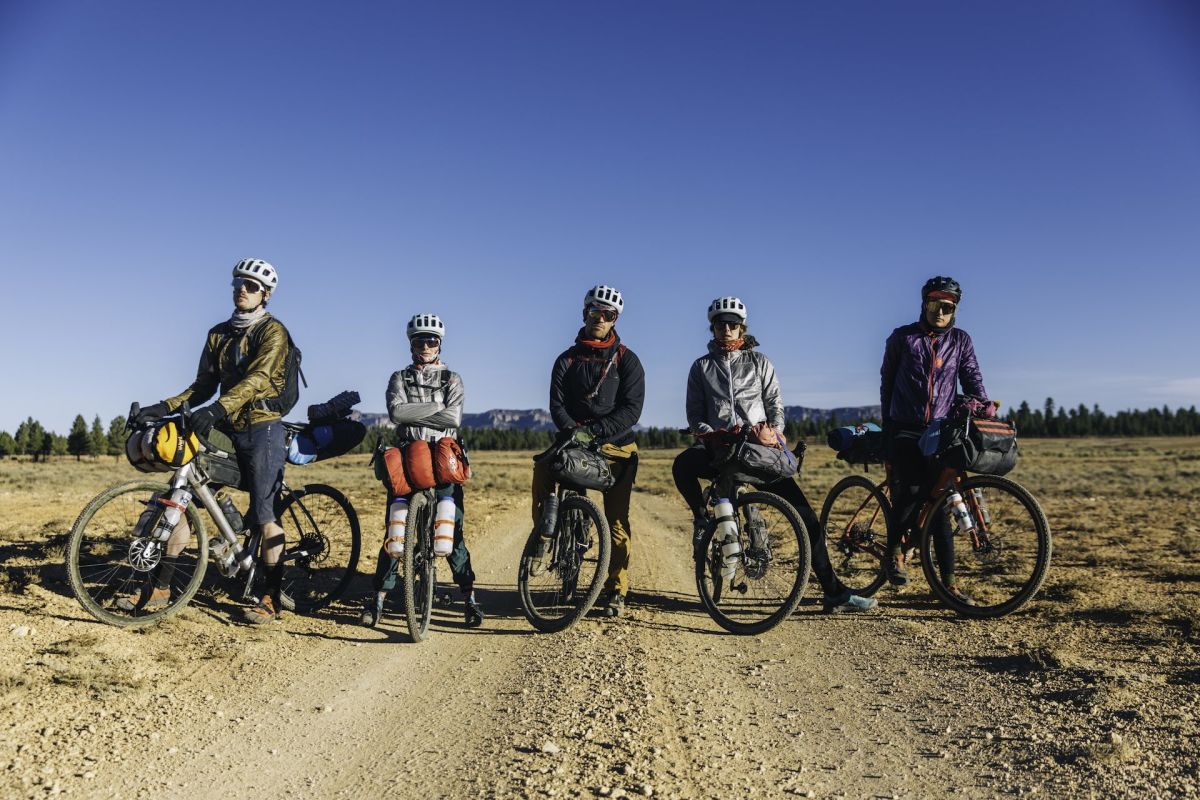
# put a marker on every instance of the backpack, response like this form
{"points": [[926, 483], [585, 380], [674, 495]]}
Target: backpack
{"points": [[289, 393]]}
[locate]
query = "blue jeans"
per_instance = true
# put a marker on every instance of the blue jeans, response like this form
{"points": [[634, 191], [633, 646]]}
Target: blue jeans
{"points": [[261, 452]]}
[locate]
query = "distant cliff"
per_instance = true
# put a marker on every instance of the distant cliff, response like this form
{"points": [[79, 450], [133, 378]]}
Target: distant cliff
{"points": [[536, 419]]}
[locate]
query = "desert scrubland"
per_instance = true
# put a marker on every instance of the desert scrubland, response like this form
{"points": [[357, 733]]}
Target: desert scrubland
{"points": [[1089, 691]]}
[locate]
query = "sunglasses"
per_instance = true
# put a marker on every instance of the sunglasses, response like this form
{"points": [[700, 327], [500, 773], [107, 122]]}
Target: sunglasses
{"points": [[602, 313], [725, 324], [425, 341], [252, 287], [940, 307]]}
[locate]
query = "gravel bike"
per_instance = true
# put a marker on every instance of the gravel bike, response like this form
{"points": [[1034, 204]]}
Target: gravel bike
{"points": [[565, 560], [752, 562], [994, 540], [120, 547]]}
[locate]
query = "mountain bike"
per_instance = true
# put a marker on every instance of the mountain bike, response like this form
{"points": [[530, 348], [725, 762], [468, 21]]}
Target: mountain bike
{"points": [[994, 540], [419, 564], [752, 562], [565, 559], [122, 545]]}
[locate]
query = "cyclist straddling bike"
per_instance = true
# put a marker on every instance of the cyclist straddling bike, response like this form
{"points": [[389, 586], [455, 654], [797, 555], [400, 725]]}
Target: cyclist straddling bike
{"points": [[923, 364], [597, 387], [425, 400], [734, 385], [245, 358]]}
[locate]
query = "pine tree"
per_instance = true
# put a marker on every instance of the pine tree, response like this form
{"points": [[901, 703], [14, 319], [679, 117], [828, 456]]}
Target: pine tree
{"points": [[8, 445], [78, 441], [99, 442], [116, 437]]}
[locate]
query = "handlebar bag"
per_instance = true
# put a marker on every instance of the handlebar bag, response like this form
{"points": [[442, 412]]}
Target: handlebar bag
{"points": [[583, 468], [450, 463], [389, 468], [418, 466], [986, 446], [767, 464]]}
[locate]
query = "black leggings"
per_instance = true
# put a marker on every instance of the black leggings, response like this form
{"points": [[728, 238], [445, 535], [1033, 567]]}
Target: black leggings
{"points": [[912, 478], [695, 463]]}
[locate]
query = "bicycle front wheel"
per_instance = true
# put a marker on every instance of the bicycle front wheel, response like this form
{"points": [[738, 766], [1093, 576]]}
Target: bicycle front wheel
{"points": [[322, 543], [118, 572], [759, 587], [998, 566], [419, 567], [855, 517], [558, 589]]}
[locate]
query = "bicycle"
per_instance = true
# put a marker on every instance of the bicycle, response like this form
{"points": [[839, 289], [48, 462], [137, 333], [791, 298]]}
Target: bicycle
{"points": [[1007, 534], [560, 584], [419, 564], [120, 542], [752, 562]]}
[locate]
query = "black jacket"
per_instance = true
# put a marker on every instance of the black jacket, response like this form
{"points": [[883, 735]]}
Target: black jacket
{"points": [[616, 406]]}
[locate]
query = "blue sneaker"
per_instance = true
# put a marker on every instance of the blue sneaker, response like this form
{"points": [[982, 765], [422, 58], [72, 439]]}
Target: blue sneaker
{"points": [[849, 603]]}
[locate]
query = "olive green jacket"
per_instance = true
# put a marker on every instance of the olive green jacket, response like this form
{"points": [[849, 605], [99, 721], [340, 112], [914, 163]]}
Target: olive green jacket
{"points": [[244, 377]]}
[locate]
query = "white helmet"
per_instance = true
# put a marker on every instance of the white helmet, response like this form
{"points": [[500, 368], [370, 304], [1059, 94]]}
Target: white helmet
{"points": [[727, 305], [257, 270], [605, 296], [428, 324]]}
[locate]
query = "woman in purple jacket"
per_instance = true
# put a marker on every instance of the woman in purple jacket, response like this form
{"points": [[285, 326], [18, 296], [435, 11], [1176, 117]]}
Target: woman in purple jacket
{"points": [[923, 365]]}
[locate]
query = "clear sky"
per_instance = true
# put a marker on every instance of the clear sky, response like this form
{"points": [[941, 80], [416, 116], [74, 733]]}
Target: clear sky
{"points": [[489, 161]]}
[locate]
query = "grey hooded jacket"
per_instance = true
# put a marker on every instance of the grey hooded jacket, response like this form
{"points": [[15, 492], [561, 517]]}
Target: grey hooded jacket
{"points": [[425, 402], [728, 389]]}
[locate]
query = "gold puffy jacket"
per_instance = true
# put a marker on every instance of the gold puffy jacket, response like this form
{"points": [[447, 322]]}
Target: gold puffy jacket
{"points": [[245, 378]]}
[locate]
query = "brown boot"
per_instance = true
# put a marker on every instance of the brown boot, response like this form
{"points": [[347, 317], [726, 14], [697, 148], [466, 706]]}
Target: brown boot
{"points": [[158, 599], [264, 611]]}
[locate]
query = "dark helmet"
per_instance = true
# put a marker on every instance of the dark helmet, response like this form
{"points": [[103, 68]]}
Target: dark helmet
{"points": [[942, 283]]}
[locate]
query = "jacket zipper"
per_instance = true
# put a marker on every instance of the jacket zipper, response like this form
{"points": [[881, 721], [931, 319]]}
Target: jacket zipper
{"points": [[932, 366]]}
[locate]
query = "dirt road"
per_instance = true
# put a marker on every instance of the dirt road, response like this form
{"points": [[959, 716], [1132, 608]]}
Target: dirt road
{"points": [[910, 702]]}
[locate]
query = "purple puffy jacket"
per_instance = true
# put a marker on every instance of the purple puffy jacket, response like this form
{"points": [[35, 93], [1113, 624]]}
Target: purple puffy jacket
{"points": [[921, 372]]}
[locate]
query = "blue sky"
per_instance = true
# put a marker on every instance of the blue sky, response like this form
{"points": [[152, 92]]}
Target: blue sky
{"points": [[491, 161]]}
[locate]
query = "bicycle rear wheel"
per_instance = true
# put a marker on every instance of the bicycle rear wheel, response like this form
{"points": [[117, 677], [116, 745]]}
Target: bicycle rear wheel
{"points": [[572, 572], [763, 586], [420, 567], [323, 540], [855, 517], [997, 568], [113, 564]]}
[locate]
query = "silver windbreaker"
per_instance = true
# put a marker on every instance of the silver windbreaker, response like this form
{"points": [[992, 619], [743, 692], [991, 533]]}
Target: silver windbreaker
{"points": [[728, 389], [425, 402]]}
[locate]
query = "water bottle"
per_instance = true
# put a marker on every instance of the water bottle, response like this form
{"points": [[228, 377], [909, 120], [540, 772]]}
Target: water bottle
{"points": [[958, 512], [174, 505], [727, 533], [443, 526], [983, 509], [236, 522], [549, 517], [397, 520]]}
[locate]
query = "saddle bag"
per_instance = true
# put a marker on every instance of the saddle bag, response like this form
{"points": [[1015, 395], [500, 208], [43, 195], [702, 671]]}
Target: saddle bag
{"points": [[318, 442]]}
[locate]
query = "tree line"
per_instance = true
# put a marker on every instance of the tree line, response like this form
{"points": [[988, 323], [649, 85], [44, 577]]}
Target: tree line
{"points": [[32, 439]]}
